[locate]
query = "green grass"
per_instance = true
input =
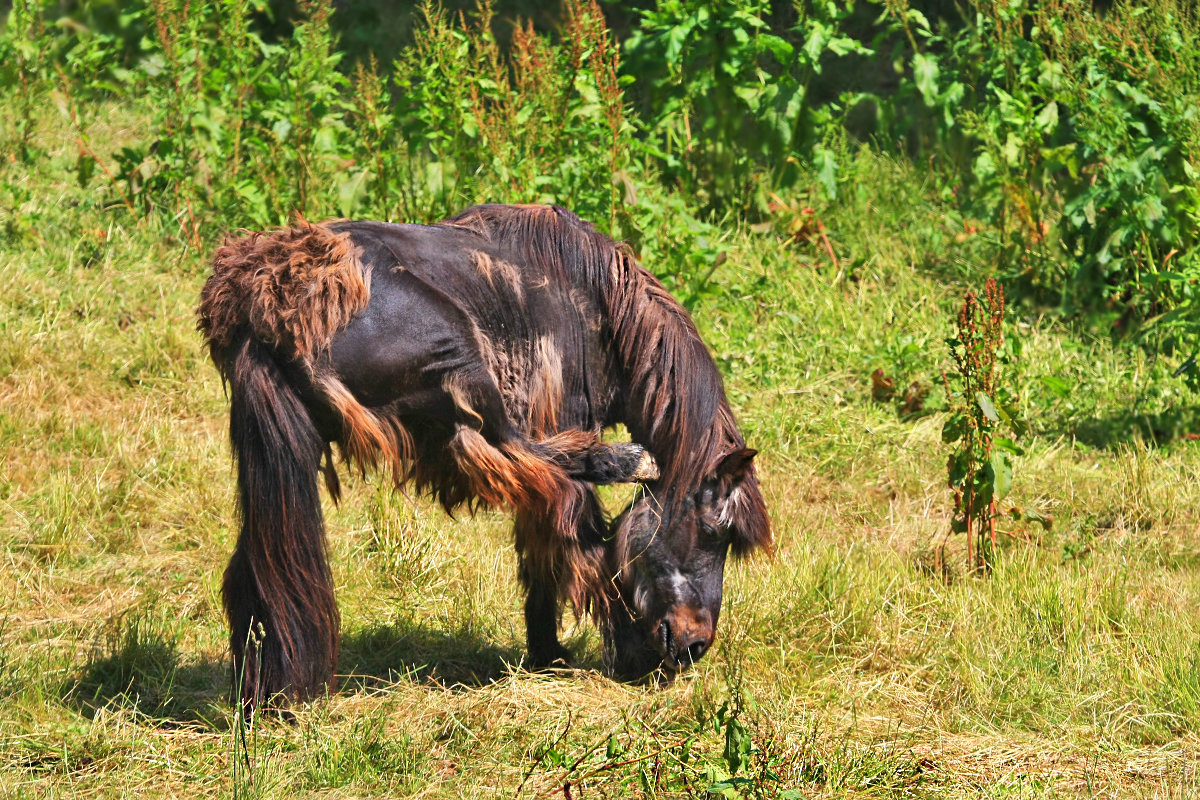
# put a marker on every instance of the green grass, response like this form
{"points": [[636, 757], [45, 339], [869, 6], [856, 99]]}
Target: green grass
{"points": [[849, 668]]}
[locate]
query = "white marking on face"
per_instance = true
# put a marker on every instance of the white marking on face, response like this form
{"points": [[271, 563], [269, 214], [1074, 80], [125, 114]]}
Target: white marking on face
{"points": [[678, 582]]}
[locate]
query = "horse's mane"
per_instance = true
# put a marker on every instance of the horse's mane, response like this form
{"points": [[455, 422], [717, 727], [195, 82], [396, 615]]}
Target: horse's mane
{"points": [[676, 403]]}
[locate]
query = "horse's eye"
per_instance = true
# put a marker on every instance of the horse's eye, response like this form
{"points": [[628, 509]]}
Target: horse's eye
{"points": [[711, 528]]}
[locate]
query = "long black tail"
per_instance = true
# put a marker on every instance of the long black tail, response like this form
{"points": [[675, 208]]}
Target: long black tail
{"points": [[278, 590]]}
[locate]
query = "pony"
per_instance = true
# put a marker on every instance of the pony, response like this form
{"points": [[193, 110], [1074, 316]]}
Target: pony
{"points": [[478, 360]]}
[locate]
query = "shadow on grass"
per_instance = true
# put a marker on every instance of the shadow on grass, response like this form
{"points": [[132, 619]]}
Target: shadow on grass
{"points": [[386, 654], [137, 665], [1123, 427], [411, 650]]}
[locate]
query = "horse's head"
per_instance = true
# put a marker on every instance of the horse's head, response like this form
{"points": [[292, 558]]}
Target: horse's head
{"points": [[670, 564]]}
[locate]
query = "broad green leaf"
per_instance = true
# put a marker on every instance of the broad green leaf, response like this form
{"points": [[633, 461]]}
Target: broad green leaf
{"points": [[781, 49], [956, 469], [1001, 469], [826, 166], [925, 75], [1013, 150], [1047, 118], [841, 45], [954, 428], [950, 98], [987, 407], [1033, 515], [1012, 418], [814, 45], [920, 19], [281, 129], [614, 748], [1008, 445], [984, 166], [85, 166], [737, 744], [351, 190]]}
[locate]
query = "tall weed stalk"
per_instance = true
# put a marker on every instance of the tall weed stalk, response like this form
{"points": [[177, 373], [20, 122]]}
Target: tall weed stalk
{"points": [[543, 122], [982, 407], [243, 129], [24, 69]]}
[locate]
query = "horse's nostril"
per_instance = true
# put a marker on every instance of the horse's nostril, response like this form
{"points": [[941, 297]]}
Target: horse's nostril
{"points": [[696, 649]]}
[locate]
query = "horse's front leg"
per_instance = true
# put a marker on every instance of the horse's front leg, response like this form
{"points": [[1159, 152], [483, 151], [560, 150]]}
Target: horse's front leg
{"points": [[542, 610], [546, 571]]}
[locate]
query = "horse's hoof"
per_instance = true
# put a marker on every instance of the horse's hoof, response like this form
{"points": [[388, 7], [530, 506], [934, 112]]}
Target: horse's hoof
{"points": [[557, 657], [647, 469]]}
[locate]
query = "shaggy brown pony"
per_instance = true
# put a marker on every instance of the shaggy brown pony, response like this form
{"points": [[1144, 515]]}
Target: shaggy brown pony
{"points": [[478, 359]]}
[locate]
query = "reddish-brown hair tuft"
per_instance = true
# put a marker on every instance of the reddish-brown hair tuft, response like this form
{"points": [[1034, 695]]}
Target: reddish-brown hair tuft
{"points": [[294, 288]]}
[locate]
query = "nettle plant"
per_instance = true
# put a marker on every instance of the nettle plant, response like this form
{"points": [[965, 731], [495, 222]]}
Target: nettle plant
{"points": [[982, 411]]}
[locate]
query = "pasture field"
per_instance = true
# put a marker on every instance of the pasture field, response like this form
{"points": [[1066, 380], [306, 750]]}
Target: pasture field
{"points": [[846, 666]]}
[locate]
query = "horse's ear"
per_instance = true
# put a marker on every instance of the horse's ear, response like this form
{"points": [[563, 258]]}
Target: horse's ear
{"points": [[733, 467]]}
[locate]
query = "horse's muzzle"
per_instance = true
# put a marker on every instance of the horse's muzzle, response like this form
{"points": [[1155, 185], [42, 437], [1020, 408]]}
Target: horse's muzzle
{"points": [[683, 636]]}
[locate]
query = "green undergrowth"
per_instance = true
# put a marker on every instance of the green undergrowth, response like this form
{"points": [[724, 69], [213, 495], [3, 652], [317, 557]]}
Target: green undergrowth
{"points": [[847, 665]]}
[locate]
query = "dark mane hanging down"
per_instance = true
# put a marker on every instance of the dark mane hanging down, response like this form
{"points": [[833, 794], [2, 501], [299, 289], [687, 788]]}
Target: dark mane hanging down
{"points": [[677, 405]]}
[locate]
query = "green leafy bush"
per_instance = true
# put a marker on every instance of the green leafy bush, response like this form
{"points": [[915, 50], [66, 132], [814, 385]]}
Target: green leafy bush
{"points": [[24, 65], [248, 133], [1131, 209], [244, 128], [1075, 136], [727, 107], [543, 122]]}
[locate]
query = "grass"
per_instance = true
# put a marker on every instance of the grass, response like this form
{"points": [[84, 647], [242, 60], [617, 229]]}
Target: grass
{"points": [[844, 668]]}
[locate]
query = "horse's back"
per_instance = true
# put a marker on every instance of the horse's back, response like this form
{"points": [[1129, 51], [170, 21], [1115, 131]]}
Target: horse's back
{"points": [[491, 280], [451, 307]]}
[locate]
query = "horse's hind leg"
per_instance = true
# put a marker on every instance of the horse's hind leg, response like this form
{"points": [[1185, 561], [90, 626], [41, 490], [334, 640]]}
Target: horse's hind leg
{"points": [[549, 477], [588, 460], [501, 465]]}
